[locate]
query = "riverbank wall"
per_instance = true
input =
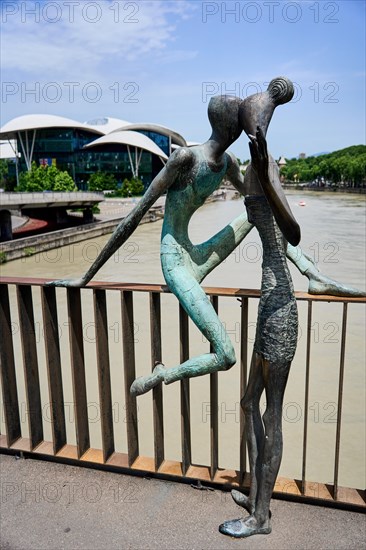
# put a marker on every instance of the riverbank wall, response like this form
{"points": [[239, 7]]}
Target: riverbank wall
{"points": [[28, 246], [302, 187]]}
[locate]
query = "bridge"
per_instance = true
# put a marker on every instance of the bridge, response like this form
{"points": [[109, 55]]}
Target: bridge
{"points": [[20, 202]]}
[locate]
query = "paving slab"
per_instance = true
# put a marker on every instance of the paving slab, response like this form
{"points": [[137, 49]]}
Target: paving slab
{"points": [[55, 506]]}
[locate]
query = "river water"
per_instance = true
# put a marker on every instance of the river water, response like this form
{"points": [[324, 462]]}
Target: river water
{"points": [[333, 234]]}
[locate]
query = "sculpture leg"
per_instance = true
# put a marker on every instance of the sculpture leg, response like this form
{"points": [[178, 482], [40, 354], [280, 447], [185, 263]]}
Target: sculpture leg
{"points": [[199, 308], [209, 254], [255, 432], [318, 283], [275, 378], [192, 297]]}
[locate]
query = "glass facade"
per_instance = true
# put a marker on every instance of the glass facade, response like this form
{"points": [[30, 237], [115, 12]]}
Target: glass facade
{"points": [[115, 160], [64, 148], [161, 141]]}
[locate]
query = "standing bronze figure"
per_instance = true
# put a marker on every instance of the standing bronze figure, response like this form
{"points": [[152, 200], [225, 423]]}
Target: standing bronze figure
{"points": [[277, 325]]}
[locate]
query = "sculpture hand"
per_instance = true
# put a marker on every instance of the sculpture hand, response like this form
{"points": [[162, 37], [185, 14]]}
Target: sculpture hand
{"points": [[259, 154], [69, 283]]}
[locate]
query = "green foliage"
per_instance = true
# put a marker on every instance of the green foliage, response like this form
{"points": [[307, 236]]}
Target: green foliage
{"points": [[136, 187], [29, 251], [45, 178], [63, 182], [102, 181], [131, 188], [347, 165], [3, 257], [4, 169]]}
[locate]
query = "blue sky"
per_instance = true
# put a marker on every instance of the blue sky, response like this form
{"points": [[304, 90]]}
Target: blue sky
{"points": [[160, 61]]}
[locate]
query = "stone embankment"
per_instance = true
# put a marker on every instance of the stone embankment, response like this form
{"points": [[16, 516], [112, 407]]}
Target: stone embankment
{"points": [[305, 187], [111, 215]]}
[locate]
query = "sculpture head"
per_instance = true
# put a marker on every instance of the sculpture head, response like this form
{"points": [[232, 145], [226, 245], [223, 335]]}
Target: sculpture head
{"points": [[223, 114], [257, 109]]}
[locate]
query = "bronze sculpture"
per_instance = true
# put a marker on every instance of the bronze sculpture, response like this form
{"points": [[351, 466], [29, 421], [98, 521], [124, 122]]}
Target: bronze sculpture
{"points": [[276, 337], [189, 177]]}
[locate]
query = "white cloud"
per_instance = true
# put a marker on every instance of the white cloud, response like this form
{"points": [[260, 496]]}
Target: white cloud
{"points": [[69, 48]]}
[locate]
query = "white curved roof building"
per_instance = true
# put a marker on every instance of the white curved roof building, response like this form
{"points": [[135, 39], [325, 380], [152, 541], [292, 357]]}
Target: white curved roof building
{"points": [[8, 149], [174, 136], [103, 143], [138, 141], [35, 122], [24, 130], [107, 124]]}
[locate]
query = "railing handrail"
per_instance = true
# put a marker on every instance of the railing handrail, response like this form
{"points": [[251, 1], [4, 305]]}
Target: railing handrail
{"points": [[212, 291]]}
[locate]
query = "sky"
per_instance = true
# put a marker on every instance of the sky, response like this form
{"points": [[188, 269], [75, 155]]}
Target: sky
{"points": [[161, 61]]}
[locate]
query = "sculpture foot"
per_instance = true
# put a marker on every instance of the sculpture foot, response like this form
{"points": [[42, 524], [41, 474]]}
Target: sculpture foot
{"points": [[320, 284], [143, 384], [242, 500], [240, 528]]}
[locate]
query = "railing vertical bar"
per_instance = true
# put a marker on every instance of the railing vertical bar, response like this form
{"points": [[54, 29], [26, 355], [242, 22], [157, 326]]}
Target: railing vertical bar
{"points": [[156, 356], [78, 370], [129, 374], [306, 398], [30, 362], [104, 377], [8, 376], [214, 408], [243, 384], [185, 393], [340, 400], [53, 362]]}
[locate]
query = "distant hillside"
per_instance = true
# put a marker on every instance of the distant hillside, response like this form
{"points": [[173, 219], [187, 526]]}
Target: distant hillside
{"points": [[346, 166]]}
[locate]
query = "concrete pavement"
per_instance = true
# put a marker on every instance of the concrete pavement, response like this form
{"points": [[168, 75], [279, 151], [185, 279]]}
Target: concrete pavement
{"points": [[55, 506]]}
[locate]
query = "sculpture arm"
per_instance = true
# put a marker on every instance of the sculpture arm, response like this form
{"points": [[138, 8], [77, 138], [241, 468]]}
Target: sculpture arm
{"points": [[271, 187], [234, 175], [161, 183]]}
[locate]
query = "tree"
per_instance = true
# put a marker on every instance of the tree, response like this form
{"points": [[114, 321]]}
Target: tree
{"points": [[347, 164], [132, 187], [63, 182], [136, 186], [102, 181], [45, 178]]}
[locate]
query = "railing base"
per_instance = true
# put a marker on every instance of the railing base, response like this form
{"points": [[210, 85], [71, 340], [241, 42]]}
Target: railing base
{"points": [[225, 480]]}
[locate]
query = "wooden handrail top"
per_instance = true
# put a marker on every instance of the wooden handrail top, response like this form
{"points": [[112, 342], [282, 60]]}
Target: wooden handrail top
{"points": [[212, 291]]}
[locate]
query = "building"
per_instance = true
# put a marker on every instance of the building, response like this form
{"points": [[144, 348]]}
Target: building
{"points": [[282, 162], [103, 144]]}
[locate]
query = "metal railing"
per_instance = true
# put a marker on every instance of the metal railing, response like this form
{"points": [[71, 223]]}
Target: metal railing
{"points": [[59, 448]]}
